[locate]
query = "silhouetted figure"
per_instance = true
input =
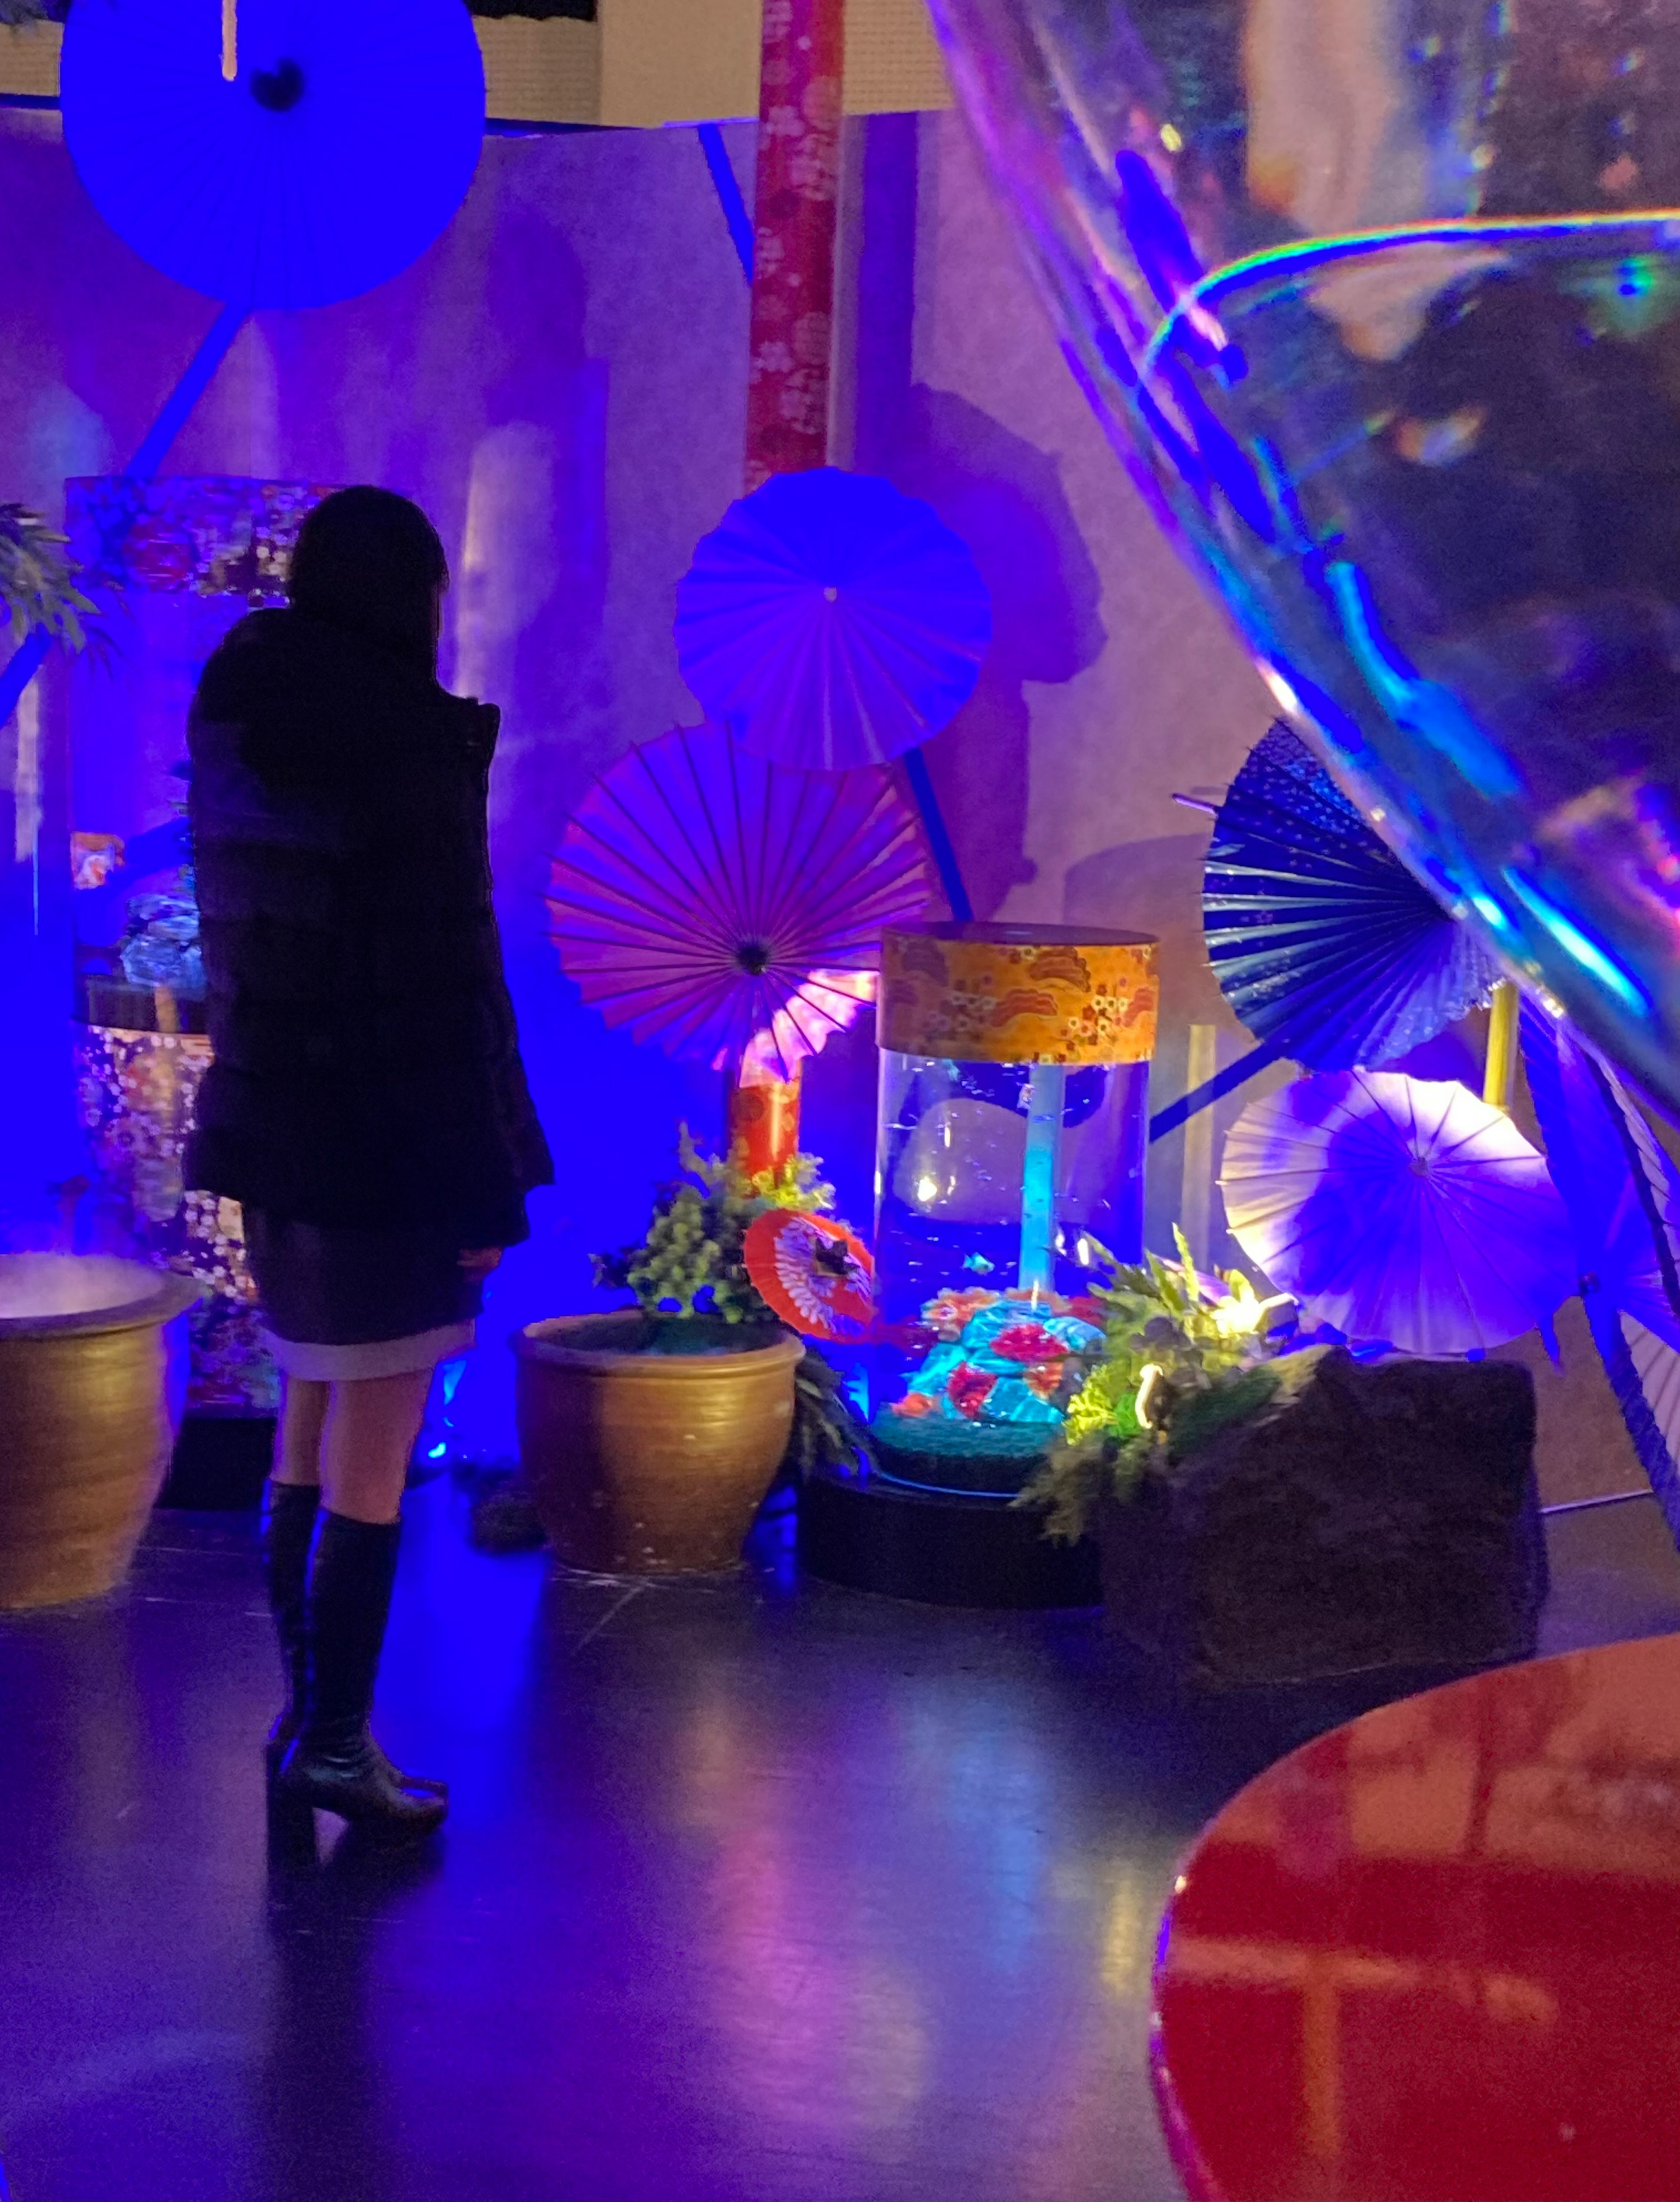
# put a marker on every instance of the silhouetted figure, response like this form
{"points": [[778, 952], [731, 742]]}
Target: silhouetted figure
{"points": [[366, 1104]]}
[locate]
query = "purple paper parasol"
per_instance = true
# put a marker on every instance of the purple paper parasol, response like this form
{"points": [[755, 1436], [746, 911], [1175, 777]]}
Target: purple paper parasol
{"points": [[1618, 1185], [1624, 1201], [708, 900], [1399, 1210], [832, 621]]}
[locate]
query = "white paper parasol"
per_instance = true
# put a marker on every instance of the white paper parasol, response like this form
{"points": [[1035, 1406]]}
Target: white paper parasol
{"points": [[1400, 1211]]}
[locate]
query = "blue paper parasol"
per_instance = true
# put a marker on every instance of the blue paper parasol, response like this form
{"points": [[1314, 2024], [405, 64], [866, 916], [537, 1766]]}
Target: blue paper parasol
{"points": [[1322, 941], [345, 141], [832, 621], [1623, 1203]]}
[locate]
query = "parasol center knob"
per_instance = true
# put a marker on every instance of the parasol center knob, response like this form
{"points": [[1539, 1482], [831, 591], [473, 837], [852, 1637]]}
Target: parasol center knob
{"points": [[832, 593], [754, 957], [278, 89]]}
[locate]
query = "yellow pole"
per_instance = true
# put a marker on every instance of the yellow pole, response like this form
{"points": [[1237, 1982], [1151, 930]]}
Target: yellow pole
{"points": [[230, 39], [1499, 1079]]}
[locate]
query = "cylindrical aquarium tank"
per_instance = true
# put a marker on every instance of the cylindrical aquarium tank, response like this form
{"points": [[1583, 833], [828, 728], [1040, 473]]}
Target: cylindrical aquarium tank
{"points": [[1009, 1153]]}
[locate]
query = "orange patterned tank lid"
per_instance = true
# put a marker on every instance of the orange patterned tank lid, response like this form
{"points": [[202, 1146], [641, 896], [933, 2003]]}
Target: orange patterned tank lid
{"points": [[1018, 993]]}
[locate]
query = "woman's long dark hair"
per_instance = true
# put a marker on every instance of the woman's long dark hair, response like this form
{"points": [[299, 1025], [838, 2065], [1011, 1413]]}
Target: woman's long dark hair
{"points": [[369, 560]]}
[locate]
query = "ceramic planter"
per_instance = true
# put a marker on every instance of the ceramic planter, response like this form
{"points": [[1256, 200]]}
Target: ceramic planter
{"points": [[85, 1427], [649, 1462]]}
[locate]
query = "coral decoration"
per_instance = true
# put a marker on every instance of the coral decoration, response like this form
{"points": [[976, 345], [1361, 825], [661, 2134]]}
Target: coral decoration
{"points": [[949, 1313], [1028, 1341], [1003, 1357], [969, 1389], [813, 1273]]}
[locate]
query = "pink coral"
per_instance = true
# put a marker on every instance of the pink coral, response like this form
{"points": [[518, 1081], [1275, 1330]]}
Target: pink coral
{"points": [[1029, 1342], [969, 1389]]}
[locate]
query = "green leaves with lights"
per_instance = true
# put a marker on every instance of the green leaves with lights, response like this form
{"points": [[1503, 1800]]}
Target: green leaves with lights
{"points": [[1183, 1356]]}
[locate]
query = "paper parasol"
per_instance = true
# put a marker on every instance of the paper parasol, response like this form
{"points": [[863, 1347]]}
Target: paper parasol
{"points": [[832, 621], [1399, 1210], [814, 1273], [1321, 939], [346, 141], [1618, 1185], [1623, 1203], [702, 897]]}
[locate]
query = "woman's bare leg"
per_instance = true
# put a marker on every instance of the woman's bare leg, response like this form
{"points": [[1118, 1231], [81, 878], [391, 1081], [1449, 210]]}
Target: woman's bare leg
{"points": [[371, 1426], [297, 1442]]}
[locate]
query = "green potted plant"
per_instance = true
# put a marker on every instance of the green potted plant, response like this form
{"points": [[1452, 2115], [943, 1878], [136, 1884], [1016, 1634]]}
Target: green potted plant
{"points": [[650, 1435], [1183, 1356], [1269, 1516]]}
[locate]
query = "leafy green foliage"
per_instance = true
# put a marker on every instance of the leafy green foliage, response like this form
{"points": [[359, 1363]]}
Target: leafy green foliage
{"points": [[827, 1434], [691, 1267], [691, 1261], [1183, 1356], [16, 13], [38, 582]]}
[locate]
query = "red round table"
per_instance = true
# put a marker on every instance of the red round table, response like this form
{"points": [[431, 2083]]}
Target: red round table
{"points": [[1435, 1955]]}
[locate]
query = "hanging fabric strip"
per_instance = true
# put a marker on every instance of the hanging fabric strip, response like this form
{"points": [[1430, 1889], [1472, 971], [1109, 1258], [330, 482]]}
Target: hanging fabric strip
{"points": [[796, 205]]}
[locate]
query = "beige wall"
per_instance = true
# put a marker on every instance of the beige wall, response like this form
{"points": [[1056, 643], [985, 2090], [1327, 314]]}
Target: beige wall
{"points": [[1159, 698]]}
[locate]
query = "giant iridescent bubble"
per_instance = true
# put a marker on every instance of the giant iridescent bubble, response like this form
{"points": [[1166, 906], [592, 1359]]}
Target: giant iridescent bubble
{"points": [[1385, 295]]}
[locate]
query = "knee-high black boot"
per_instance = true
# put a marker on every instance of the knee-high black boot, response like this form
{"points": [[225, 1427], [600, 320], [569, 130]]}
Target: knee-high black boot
{"points": [[333, 1762], [289, 1514], [288, 1530]]}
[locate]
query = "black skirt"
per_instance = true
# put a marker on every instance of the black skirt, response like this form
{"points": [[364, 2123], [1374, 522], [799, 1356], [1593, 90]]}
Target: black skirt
{"points": [[342, 1303]]}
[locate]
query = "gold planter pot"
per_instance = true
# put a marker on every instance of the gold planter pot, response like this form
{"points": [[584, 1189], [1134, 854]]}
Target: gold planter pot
{"points": [[85, 1428], [648, 1463]]}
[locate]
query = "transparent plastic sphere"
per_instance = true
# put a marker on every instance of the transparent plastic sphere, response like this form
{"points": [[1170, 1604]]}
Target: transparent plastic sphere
{"points": [[1380, 301]]}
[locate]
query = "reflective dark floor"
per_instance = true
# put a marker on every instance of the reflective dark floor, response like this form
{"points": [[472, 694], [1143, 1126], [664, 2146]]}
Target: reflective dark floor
{"points": [[751, 1888]]}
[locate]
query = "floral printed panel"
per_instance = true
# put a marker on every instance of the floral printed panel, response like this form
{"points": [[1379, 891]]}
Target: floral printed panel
{"points": [[136, 1094], [1004, 993], [216, 535]]}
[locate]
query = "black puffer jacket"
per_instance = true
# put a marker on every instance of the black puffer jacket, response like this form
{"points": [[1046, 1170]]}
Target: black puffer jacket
{"points": [[367, 1064]]}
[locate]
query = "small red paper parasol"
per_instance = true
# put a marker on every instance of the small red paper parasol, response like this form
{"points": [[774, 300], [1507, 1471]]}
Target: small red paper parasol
{"points": [[704, 898], [814, 1273]]}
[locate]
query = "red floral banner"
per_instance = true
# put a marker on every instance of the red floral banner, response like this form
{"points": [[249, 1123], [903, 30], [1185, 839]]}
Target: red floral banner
{"points": [[794, 237]]}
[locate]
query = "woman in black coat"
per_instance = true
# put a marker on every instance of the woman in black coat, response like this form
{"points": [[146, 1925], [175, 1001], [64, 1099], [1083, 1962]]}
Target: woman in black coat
{"points": [[366, 1104]]}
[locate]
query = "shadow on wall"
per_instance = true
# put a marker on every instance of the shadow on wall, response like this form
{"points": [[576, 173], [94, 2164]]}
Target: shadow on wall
{"points": [[1004, 498], [530, 581]]}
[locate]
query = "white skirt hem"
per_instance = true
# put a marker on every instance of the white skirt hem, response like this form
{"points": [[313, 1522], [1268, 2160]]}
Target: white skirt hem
{"points": [[383, 1357]]}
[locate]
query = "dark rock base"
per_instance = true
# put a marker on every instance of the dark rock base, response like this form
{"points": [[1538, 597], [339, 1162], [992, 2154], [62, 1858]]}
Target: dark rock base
{"points": [[1371, 1518]]}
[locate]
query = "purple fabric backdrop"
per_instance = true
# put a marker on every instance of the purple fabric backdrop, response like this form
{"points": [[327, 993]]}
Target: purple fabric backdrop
{"points": [[561, 382]]}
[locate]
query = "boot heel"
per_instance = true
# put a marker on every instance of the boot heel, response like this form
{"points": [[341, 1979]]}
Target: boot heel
{"points": [[290, 1828]]}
